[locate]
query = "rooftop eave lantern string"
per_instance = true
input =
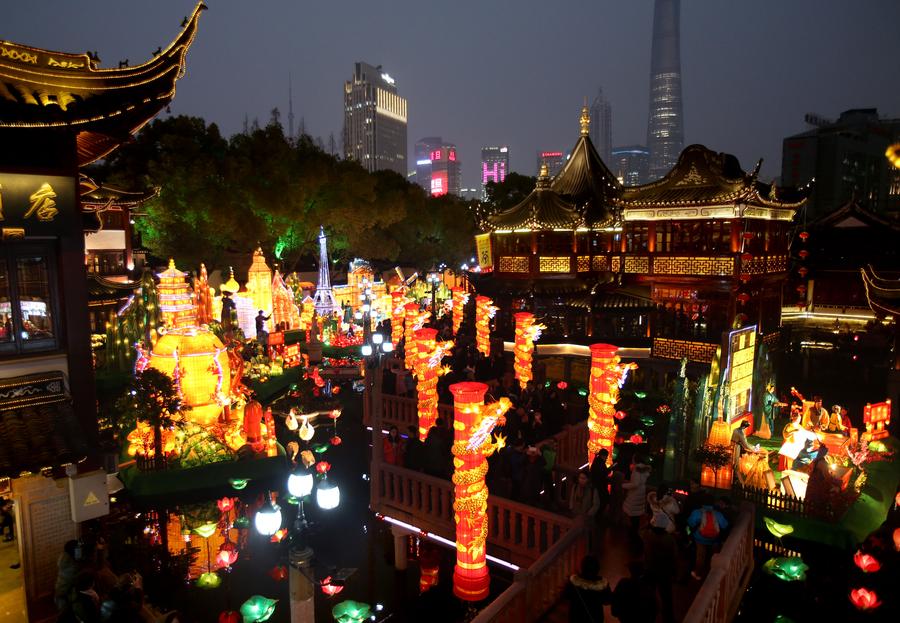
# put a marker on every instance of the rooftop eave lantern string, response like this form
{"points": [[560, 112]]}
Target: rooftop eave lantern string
{"points": [[473, 443], [484, 312], [527, 333], [608, 374], [429, 354]]}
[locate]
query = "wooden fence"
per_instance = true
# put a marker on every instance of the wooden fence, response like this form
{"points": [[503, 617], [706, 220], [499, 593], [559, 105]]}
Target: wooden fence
{"points": [[403, 412], [774, 499], [720, 595]]}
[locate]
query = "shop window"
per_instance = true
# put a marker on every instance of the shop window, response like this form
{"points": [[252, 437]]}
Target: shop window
{"points": [[27, 300]]}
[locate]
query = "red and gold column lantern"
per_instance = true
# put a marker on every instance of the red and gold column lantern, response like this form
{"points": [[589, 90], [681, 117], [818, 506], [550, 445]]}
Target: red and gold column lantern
{"points": [[427, 370], [472, 425], [604, 388], [484, 311], [460, 298], [398, 300], [413, 321], [527, 333]]}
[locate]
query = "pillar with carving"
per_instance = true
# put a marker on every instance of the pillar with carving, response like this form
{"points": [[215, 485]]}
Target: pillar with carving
{"points": [[427, 370], [527, 333], [398, 300], [460, 298], [484, 312]]}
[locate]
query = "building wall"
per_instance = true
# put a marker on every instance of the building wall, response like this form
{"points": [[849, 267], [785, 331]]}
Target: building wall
{"points": [[375, 118], [494, 165]]}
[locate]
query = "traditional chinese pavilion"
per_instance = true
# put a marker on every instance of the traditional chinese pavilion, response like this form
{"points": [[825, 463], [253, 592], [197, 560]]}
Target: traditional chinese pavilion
{"points": [[670, 265]]}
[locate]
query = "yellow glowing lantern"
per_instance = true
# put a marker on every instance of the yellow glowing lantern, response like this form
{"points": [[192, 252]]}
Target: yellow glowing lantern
{"points": [[306, 315], [198, 363], [527, 333], [484, 312], [259, 283], [607, 374], [427, 370], [398, 301], [460, 298], [284, 311], [473, 422], [175, 300]]}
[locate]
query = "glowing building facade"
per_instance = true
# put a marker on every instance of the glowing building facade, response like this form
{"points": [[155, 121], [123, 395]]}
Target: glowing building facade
{"points": [[665, 131], [374, 120], [494, 165]]}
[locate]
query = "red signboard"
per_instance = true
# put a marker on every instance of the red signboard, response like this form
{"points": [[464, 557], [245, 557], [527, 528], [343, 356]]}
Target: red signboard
{"points": [[276, 339], [877, 418]]}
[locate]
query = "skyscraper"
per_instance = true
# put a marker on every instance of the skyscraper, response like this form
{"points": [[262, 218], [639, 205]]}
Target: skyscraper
{"points": [[630, 164], [437, 168], [665, 131], [374, 120], [601, 125], [423, 149], [494, 165], [555, 161]]}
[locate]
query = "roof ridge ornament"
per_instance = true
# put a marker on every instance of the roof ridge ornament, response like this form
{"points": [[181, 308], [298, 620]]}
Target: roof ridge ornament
{"points": [[585, 120]]}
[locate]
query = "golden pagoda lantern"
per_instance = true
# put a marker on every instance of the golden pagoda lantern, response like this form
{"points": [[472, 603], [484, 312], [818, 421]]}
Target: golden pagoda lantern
{"points": [[176, 302], [259, 283]]}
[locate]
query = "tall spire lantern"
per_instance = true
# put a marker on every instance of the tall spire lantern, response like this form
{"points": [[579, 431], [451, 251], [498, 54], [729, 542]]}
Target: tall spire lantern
{"points": [[585, 121], [324, 299]]}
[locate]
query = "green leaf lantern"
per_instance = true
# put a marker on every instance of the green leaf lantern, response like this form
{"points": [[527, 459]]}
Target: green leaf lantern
{"points": [[786, 569], [206, 530], [350, 611], [238, 483], [209, 580], [258, 609]]}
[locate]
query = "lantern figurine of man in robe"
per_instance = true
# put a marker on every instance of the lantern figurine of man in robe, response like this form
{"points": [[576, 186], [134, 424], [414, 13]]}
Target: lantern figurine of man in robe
{"points": [[527, 333], [484, 312], [427, 370], [473, 422], [460, 298], [607, 374]]}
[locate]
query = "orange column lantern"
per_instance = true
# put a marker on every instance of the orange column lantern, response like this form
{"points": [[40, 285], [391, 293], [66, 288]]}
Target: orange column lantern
{"points": [[606, 376], [484, 312], [527, 333], [398, 300], [473, 422], [427, 370], [460, 298], [413, 321]]}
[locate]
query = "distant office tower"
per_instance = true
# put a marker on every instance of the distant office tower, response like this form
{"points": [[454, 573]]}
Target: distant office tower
{"points": [[665, 130], [555, 161], [445, 171], [494, 165], [846, 158], [423, 149], [601, 126], [374, 120], [630, 164]]}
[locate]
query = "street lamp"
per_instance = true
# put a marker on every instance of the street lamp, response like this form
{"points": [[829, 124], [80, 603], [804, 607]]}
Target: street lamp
{"points": [[300, 484], [268, 519], [433, 277], [328, 495]]}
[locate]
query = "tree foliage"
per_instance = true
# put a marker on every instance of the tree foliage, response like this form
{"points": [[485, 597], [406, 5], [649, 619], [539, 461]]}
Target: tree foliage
{"points": [[512, 190], [220, 197], [151, 397]]}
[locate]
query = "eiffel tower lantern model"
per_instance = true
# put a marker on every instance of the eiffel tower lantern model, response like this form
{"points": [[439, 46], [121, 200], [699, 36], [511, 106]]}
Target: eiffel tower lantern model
{"points": [[324, 299]]}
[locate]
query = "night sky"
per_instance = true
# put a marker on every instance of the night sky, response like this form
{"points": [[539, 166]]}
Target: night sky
{"points": [[504, 71]]}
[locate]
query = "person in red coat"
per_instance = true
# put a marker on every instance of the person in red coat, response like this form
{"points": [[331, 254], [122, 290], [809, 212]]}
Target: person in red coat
{"points": [[393, 447]]}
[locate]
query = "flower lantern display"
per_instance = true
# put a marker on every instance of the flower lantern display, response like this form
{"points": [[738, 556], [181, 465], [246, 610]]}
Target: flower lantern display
{"points": [[259, 283], [227, 555], [306, 314], [484, 312], [472, 425], [398, 303], [176, 303], [864, 599], [866, 562], [413, 319], [427, 370], [198, 363], [258, 609], [527, 333], [284, 311], [460, 298], [607, 375], [350, 611]]}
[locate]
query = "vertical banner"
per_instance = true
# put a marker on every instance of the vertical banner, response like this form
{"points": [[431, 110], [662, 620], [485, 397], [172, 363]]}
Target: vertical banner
{"points": [[484, 252]]}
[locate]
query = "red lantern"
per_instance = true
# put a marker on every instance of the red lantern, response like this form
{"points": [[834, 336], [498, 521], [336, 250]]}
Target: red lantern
{"points": [[864, 599], [230, 616], [279, 536], [562, 385], [743, 297], [323, 466], [804, 235], [336, 441], [866, 562], [802, 271], [746, 257], [331, 589], [227, 555], [636, 439], [745, 277], [278, 573], [749, 235], [620, 415], [803, 253], [225, 504], [801, 289]]}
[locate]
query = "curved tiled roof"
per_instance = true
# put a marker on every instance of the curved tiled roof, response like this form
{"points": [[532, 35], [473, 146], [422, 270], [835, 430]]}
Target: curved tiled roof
{"points": [[588, 183], [541, 209]]}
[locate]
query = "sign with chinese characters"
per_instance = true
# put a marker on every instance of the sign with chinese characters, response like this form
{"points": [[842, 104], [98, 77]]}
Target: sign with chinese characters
{"points": [[483, 248], [741, 356], [36, 205]]}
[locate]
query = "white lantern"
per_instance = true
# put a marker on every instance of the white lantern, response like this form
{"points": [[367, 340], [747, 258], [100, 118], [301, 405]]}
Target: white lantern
{"points": [[377, 338], [366, 350], [300, 484], [268, 519], [328, 496], [387, 347]]}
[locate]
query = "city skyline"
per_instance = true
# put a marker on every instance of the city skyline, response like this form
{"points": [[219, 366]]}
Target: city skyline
{"points": [[241, 67]]}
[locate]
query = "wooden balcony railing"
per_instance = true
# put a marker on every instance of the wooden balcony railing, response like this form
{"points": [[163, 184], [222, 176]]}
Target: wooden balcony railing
{"points": [[517, 532], [403, 412], [571, 446], [730, 570]]}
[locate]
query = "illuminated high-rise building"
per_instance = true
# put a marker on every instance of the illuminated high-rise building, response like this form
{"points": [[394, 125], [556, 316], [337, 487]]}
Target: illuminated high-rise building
{"points": [[423, 149], [601, 125], [630, 164], [665, 130], [374, 120], [555, 161], [446, 177], [494, 165]]}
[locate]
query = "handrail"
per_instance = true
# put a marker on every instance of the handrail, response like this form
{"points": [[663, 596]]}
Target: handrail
{"points": [[722, 590], [571, 445], [537, 588]]}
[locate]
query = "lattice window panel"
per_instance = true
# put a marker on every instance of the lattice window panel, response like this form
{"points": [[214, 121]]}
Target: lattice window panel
{"points": [[599, 263], [554, 264], [637, 264], [615, 263], [772, 339], [678, 349], [513, 264], [756, 266], [776, 264], [716, 266], [583, 263]]}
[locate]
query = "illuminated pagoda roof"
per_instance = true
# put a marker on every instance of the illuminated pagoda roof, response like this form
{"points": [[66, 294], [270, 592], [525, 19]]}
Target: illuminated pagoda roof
{"points": [[541, 209], [883, 294], [702, 177], [106, 291], [110, 196], [46, 89], [171, 272], [586, 181]]}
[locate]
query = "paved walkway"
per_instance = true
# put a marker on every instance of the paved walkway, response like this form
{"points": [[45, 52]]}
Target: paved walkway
{"points": [[12, 593], [614, 558]]}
